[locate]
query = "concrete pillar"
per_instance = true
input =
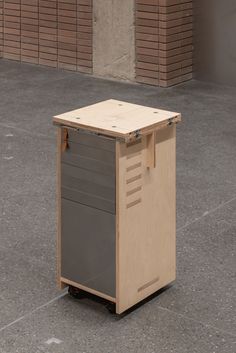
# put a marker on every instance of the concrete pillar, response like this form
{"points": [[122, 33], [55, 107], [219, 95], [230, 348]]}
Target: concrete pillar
{"points": [[114, 39]]}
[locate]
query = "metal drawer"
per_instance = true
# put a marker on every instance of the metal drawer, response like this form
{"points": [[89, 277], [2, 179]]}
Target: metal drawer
{"points": [[89, 157], [88, 247], [88, 172], [89, 139]]}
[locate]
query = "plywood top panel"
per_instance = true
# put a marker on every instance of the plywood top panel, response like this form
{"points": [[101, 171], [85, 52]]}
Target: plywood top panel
{"points": [[117, 118]]}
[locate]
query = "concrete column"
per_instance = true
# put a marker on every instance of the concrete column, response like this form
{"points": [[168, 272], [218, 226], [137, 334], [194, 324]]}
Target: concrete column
{"points": [[114, 39]]}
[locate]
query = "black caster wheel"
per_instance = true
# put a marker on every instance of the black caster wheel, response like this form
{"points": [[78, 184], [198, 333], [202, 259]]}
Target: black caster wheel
{"points": [[111, 307], [76, 292]]}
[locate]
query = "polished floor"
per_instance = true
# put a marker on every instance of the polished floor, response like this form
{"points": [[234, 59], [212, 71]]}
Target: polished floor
{"points": [[195, 315]]}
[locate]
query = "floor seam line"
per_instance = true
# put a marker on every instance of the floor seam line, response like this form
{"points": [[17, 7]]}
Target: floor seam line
{"points": [[207, 214], [33, 311], [196, 321]]}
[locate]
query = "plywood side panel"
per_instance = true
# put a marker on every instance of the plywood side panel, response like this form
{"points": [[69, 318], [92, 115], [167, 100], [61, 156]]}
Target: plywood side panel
{"points": [[146, 214]]}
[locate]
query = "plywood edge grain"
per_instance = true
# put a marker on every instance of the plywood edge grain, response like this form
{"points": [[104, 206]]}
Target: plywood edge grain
{"points": [[130, 136], [117, 227], [59, 141], [67, 282]]}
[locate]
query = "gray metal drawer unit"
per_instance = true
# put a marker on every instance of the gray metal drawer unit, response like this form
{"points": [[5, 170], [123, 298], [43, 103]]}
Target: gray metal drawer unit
{"points": [[88, 211]]}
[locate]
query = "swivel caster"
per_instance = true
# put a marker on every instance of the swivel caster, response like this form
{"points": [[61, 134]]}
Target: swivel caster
{"points": [[111, 307], [76, 292]]}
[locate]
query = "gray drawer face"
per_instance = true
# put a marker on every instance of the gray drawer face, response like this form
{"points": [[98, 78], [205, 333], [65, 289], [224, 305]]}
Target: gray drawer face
{"points": [[88, 156], [88, 139], [88, 247], [88, 172]]}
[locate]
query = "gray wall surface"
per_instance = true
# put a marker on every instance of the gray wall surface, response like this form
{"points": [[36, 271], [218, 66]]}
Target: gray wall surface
{"points": [[114, 23], [215, 40]]}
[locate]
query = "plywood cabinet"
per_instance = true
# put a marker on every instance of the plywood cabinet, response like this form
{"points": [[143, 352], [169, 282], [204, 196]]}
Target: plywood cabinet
{"points": [[116, 200]]}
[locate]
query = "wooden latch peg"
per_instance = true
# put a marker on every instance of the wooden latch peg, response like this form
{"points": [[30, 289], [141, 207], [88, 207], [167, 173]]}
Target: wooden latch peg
{"points": [[64, 143], [151, 150]]}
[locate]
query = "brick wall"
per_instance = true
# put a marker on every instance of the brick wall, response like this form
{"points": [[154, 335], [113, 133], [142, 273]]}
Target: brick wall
{"points": [[48, 26], [164, 52], [56, 33], [11, 29], [85, 35], [67, 32], [29, 31], [59, 33], [1, 28]]}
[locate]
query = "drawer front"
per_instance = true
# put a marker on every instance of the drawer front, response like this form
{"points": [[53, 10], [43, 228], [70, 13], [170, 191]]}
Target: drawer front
{"points": [[93, 140], [88, 171], [88, 247], [89, 157]]}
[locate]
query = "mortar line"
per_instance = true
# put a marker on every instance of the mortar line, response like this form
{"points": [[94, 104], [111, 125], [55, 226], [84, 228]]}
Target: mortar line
{"points": [[33, 311], [206, 214], [196, 321]]}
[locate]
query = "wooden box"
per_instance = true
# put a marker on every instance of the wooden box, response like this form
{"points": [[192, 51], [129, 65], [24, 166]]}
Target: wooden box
{"points": [[117, 200]]}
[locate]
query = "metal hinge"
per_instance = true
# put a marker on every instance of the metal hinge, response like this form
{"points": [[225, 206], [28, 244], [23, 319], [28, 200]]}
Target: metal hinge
{"points": [[137, 133], [170, 122], [133, 136]]}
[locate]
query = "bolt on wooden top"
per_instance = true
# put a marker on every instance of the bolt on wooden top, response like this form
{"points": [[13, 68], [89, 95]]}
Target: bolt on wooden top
{"points": [[118, 119]]}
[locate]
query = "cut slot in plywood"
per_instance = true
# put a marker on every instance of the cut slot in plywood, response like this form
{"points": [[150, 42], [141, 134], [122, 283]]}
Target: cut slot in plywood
{"points": [[133, 173]]}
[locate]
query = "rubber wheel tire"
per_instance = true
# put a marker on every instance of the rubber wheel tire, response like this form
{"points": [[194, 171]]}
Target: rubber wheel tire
{"points": [[111, 307], [76, 292]]}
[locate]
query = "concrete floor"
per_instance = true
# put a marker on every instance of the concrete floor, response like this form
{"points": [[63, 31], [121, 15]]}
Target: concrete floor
{"points": [[197, 313]]}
